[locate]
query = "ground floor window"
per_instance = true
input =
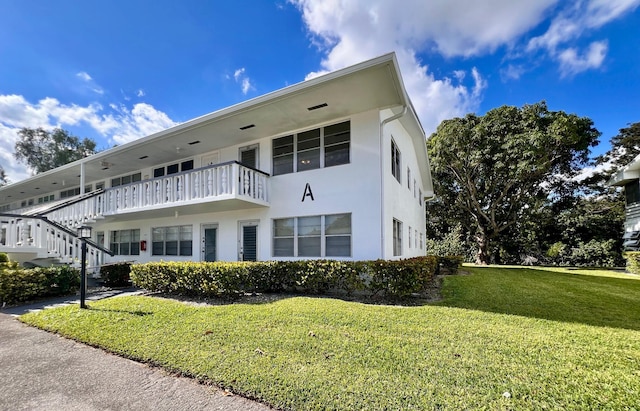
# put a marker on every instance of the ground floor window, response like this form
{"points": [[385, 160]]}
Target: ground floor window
{"points": [[397, 237], [175, 240], [125, 242], [312, 236]]}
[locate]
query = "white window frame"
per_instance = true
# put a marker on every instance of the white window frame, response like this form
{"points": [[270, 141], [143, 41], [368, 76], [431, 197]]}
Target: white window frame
{"points": [[396, 161], [323, 236], [180, 240], [322, 149], [397, 237]]}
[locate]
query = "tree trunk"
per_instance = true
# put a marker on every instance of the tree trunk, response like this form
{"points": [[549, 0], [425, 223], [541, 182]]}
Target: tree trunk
{"points": [[482, 257]]}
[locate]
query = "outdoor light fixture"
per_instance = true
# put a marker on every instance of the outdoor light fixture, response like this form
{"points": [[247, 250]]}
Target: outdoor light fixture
{"points": [[83, 232]]}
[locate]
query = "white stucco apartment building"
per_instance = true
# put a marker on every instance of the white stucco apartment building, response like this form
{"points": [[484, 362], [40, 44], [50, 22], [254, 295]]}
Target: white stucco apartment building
{"points": [[334, 167]]}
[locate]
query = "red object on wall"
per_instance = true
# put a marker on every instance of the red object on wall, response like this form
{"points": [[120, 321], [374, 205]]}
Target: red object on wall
{"points": [[143, 245]]}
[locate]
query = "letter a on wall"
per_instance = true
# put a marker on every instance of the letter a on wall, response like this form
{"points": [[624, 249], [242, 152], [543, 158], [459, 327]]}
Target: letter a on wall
{"points": [[307, 193]]}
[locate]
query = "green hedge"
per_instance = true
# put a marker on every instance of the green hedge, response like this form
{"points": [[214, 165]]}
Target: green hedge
{"points": [[633, 261], [211, 279], [18, 285]]}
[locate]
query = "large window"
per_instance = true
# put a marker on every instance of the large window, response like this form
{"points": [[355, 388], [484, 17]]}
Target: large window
{"points": [[175, 240], [397, 237], [312, 236], [125, 242], [395, 161], [632, 192], [123, 180], [312, 149], [173, 168]]}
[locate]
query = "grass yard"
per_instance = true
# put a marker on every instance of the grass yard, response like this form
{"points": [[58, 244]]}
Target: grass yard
{"points": [[501, 339]]}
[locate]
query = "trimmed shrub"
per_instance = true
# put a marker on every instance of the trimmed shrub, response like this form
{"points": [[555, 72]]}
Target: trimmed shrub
{"points": [[633, 261], [449, 264], [116, 275], [400, 278], [18, 285], [212, 279], [4, 258]]}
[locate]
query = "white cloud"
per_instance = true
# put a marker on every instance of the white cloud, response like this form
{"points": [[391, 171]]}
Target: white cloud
{"points": [[238, 73], [575, 21], [119, 125], [140, 121], [84, 76], [90, 82], [452, 27], [245, 82], [140, 93], [351, 32], [571, 62], [512, 72]]}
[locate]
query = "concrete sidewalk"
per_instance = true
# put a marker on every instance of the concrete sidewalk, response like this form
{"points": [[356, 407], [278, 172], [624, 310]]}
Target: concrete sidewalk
{"points": [[43, 371]]}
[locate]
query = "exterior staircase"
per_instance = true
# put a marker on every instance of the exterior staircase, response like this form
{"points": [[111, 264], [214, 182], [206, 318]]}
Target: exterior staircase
{"points": [[33, 238]]}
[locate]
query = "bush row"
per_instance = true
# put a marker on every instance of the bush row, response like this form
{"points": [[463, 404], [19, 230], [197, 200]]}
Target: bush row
{"points": [[19, 284], [633, 261], [595, 253], [394, 279]]}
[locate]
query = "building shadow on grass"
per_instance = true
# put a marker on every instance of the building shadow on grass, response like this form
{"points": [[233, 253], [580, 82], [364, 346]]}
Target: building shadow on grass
{"points": [[549, 295]]}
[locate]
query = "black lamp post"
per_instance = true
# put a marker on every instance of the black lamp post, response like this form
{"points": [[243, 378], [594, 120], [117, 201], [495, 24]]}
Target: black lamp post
{"points": [[84, 232]]}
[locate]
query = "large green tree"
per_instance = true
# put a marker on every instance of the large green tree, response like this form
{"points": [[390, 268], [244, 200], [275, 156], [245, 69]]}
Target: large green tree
{"points": [[496, 171], [43, 150], [3, 177]]}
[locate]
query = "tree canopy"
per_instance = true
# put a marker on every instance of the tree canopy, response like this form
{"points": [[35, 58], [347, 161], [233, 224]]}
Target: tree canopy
{"points": [[3, 177], [44, 150], [495, 171]]}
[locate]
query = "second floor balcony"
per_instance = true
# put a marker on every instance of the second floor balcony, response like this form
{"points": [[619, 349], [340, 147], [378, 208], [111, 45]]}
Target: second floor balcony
{"points": [[228, 185]]}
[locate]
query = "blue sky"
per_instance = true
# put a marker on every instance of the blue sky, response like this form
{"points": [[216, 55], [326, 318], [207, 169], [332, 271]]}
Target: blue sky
{"points": [[118, 70]]}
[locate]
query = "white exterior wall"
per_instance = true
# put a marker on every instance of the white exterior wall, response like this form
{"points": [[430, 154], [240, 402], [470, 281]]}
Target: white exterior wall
{"points": [[400, 202], [349, 188]]}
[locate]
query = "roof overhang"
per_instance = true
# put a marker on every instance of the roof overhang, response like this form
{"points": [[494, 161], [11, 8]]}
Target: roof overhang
{"points": [[629, 173], [374, 84]]}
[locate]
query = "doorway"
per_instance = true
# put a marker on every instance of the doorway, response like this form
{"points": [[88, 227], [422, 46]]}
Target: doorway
{"points": [[248, 241], [209, 242]]}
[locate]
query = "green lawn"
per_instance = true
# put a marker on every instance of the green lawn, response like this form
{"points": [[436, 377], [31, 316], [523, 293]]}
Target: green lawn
{"points": [[551, 340]]}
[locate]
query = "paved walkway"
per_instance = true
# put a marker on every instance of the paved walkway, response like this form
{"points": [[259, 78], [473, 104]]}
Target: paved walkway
{"points": [[43, 371]]}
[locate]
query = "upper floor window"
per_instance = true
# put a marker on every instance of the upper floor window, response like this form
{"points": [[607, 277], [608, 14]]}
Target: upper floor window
{"points": [[395, 160], [46, 199], [74, 191], [321, 147], [123, 180], [632, 192], [173, 168]]}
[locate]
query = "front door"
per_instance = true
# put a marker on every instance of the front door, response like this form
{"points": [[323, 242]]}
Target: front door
{"points": [[209, 242], [248, 250]]}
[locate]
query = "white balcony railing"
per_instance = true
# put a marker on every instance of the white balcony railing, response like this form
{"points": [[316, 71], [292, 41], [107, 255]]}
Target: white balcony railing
{"points": [[633, 212], [213, 183], [35, 236]]}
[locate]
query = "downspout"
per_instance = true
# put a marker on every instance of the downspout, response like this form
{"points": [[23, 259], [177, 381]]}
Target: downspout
{"points": [[382, 168]]}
